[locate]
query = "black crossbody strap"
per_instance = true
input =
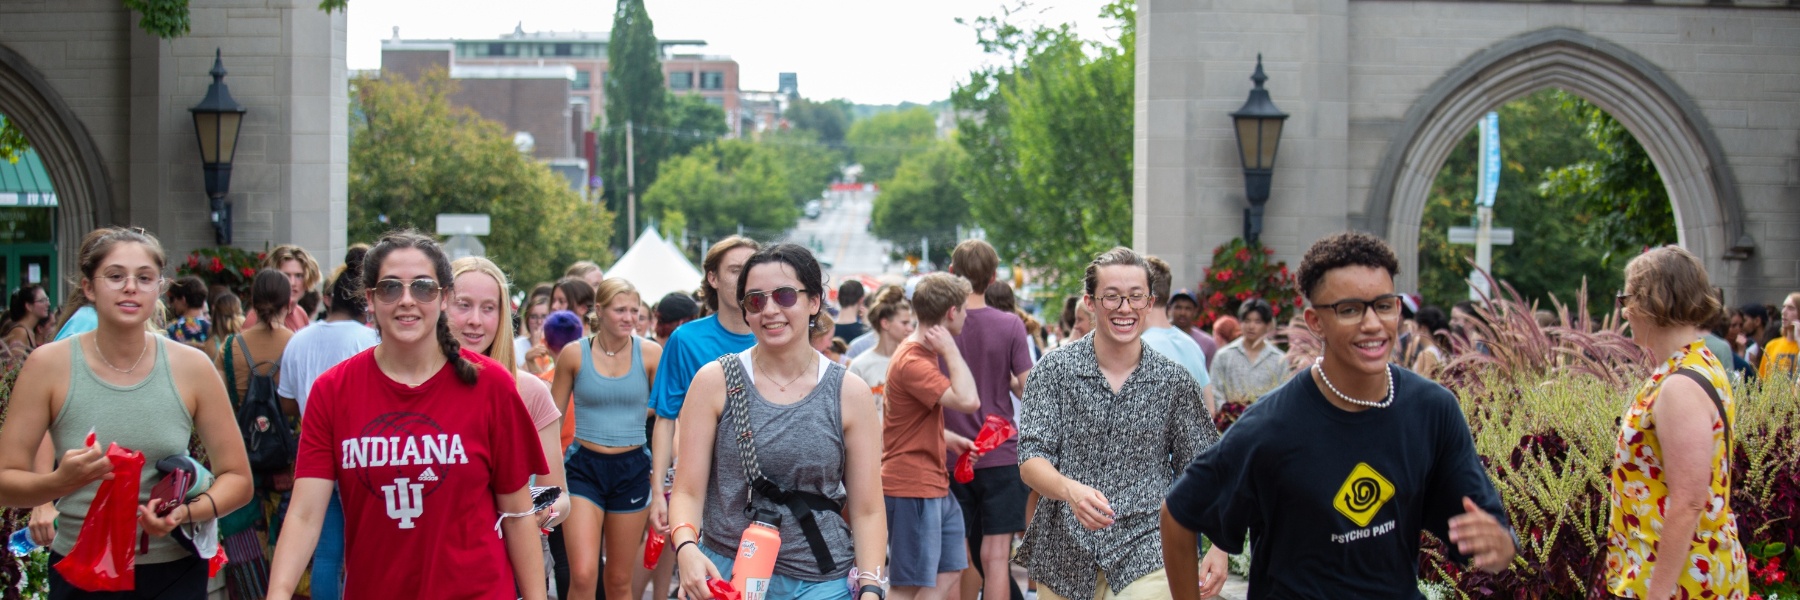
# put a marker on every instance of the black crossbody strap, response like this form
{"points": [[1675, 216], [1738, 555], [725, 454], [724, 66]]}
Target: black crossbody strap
{"points": [[800, 504], [1718, 403]]}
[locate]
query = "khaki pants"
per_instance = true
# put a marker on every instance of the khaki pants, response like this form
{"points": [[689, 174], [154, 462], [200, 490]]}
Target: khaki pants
{"points": [[1151, 586]]}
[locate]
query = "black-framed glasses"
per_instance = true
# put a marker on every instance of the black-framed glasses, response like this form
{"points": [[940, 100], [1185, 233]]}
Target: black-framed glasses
{"points": [[1114, 301], [1619, 299], [117, 281], [389, 291], [1352, 310], [756, 301]]}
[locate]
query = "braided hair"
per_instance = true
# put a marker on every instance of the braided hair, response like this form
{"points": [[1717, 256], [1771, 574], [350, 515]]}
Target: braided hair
{"points": [[410, 238]]}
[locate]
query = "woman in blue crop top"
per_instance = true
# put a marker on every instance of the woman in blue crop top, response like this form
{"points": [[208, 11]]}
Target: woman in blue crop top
{"points": [[603, 384]]}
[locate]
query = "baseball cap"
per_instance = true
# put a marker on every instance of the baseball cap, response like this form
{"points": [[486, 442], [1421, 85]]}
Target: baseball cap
{"points": [[676, 307], [1184, 293]]}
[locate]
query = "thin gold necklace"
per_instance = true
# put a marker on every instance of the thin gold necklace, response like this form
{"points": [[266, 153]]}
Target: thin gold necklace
{"points": [[108, 363], [781, 386]]}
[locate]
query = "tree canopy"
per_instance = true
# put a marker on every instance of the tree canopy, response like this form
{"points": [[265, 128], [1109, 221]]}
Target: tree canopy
{"points": [[414, 155], [1049, 140], [722, 186], [923, 201], [882, 141], [693, 122], [1548, 146], [829, 119], [635, 98]]}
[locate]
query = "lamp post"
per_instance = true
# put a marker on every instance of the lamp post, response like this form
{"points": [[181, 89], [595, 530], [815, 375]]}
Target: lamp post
{"points": [[217, 120], [1258, 124]]}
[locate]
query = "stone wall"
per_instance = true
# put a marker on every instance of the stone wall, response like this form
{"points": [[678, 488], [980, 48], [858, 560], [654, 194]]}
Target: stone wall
{"points": [[131, 91], [1353, 72]]}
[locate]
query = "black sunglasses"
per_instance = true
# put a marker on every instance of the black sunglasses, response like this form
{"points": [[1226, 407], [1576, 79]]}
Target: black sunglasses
{"points": [[785, 297], [389, 291]]}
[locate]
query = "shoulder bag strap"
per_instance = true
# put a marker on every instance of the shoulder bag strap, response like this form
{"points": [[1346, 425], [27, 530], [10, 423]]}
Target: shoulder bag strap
{"points": [[737, 402], [231, 375], [1719, 404]]}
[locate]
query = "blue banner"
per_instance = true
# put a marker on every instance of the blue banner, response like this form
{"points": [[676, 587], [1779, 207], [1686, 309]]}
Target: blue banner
{"points": [[1489, 181]]}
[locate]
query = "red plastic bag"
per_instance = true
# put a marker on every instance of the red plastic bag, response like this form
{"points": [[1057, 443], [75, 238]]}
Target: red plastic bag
{"points": [[994, 432], [722, 590], [102, 558], [653, 549]]}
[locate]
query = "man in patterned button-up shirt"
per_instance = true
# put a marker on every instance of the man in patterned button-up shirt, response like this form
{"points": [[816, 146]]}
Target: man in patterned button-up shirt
{"points": [[1107, 425]]}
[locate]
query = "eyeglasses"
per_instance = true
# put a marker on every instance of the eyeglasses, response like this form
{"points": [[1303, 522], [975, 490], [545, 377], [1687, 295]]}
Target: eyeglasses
{"points": [[785, 297], [1387, 306], [1114, 301], [389, 291], [1619, 299], [116, 281]]}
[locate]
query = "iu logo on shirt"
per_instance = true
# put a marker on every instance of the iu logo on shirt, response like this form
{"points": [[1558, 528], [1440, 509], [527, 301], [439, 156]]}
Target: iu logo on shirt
{"points": [[410, 503], [402, 458]]}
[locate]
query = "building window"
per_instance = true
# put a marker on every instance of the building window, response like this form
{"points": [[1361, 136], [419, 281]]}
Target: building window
{"points": [[716, 101], [496, 49], [712, 80], [581, 80], [681, 81], [564, 50]]}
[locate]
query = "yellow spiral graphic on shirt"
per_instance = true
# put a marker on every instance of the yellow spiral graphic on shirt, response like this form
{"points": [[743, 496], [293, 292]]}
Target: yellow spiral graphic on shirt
{"points": [[1363, 494]]}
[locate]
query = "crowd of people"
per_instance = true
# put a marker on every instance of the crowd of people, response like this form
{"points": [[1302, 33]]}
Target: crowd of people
{"points": [[432, 432]]}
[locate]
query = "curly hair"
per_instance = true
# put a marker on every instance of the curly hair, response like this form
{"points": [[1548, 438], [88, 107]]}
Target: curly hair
{"points": [[1347, 249]]}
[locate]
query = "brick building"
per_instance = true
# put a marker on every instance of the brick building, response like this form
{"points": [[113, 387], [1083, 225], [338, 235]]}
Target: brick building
{"points": [[584, 55]]}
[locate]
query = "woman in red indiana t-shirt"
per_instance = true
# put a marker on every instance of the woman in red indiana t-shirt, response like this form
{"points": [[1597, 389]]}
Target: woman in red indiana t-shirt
{"points": [[428, 445]]}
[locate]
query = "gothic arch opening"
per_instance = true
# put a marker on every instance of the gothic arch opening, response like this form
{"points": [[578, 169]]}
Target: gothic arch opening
{"points": [[68, 152], [1708, 213]]}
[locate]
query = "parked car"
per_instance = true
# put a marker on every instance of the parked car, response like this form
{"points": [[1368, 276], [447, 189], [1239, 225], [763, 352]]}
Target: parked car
{"points": [[813, 208]]}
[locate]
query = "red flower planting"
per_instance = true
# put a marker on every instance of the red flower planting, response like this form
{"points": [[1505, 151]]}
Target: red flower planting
{"points": [[1242, 271]]}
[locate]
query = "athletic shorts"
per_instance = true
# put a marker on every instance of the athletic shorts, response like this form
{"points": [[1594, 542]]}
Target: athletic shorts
{"points": [[925, 538], [617, 483], [994, 502]]}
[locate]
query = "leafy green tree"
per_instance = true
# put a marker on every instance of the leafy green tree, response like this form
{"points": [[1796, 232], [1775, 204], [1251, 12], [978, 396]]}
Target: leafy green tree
{"points": [[829, 119], [1552, 254], [923, 200], [1619, 188], [12, 141], [414, 155], [880, 142], [723, 186], [168, 19], [634, 96], [1048, 135], [693, 123], [809, 165]]}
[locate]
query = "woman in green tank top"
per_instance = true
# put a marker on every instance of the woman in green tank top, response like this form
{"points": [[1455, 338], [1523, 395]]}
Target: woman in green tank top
{"points": [[122, 383]]}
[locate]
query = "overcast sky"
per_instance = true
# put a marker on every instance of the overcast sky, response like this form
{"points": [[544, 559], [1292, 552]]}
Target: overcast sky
{"points": [[871, 52]]}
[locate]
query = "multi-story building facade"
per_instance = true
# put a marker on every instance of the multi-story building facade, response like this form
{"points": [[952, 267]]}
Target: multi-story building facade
{"points": [[713, 77]]}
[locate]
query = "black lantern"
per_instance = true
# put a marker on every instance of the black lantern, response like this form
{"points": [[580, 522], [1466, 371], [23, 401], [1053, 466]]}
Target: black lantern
{"points": [[217, 119], [1258, 126]]}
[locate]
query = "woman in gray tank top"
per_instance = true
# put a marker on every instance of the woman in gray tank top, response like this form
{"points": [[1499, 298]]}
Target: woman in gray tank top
{"points": [[814, 435], [132, 388]]}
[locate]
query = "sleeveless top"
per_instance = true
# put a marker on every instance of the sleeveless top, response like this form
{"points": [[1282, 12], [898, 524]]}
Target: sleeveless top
{"points": [[800, 447], [147, 417], [1712, 563], [609, 411]]}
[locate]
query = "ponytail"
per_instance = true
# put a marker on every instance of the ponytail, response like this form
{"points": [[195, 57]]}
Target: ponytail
{"points": [[465, 370]]}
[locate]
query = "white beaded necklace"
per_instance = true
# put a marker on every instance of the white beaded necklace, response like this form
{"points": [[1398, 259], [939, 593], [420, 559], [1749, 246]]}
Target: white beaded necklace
{"points": [[1318, 365]]}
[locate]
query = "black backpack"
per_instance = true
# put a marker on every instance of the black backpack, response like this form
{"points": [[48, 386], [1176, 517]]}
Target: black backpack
{"points": [[268, 440]]}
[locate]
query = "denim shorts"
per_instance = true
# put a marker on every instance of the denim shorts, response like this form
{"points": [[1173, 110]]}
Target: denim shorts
{"points": [[784, 587], [617, 483], [925, 538]]}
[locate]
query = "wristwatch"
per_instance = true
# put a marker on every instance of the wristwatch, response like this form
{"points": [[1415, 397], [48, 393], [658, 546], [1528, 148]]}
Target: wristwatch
{"points": [[871, 589]]}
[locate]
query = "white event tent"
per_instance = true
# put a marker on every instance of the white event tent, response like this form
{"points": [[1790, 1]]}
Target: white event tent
{"points": [[656, 268]]}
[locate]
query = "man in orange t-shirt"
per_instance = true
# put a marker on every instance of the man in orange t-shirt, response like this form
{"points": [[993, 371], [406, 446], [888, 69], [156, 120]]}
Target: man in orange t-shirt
{"points": [[927, 552]]}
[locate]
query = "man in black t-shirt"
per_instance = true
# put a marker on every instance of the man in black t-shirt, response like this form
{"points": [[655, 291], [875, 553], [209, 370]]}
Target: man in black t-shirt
{"points": [[1333, 475]]}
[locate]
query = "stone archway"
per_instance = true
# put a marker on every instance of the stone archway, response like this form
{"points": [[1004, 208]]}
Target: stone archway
{"points": [[84, 198], [1708, 213]]}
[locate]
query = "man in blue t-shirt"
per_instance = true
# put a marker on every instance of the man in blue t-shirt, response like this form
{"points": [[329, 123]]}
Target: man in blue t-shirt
{"points": [[692, 346], [1333, 475]]}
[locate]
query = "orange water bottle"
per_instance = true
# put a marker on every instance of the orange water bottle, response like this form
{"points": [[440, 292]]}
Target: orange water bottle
{"points": [[756, 556]]}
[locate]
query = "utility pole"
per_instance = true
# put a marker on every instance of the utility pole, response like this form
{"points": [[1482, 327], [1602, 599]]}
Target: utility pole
{"points": [[630, 189]]}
